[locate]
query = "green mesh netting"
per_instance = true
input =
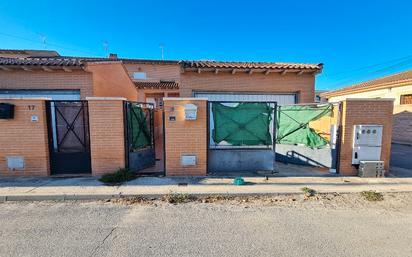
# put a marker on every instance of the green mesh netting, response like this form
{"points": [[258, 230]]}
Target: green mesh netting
{"points": [[244, 124], [292, 124], [140, 133]]}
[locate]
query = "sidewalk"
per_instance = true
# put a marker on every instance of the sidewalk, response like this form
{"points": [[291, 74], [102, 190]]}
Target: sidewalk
{"points": [[89, 188]]}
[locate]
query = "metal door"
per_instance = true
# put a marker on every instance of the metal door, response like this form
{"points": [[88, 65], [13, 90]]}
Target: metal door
{"points": [[238, 155], [69, 139], [140, 141]]}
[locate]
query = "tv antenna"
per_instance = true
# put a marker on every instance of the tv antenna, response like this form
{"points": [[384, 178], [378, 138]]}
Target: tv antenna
{"points": [[43, 39], [162, 48], [106, 47]]}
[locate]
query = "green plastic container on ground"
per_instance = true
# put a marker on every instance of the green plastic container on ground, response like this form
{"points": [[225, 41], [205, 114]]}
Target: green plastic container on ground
{"points": [[239, 181]]}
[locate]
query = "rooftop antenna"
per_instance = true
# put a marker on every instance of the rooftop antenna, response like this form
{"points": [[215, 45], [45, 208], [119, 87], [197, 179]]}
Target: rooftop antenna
{"points": [[106, 47], [162, 47], [43, 39]]}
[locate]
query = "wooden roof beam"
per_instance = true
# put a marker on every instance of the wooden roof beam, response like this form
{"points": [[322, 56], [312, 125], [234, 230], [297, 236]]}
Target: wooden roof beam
{"points": [[283, 72], [216, 71], [267, 72], [300, 72], [26, 68], [233, 71], [67, 69], [250, 72]]}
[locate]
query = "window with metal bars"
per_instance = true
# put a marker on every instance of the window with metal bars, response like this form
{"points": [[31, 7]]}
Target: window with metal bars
{"points": [[406, 99]]}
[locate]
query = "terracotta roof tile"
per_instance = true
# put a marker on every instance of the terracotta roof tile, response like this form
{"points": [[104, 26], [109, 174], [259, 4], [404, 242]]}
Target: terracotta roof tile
{"points": [[387, 81], [249, 65], [40, 61], [71, 61], [79, 61], [157, 85]]}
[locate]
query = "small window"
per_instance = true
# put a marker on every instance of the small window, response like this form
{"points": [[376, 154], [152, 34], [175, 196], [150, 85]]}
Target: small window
{"points": [[406, 99], [139, 75]]}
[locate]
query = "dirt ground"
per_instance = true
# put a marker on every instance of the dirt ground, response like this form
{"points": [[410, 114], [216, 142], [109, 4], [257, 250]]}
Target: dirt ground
{"points": [[401, 202]]}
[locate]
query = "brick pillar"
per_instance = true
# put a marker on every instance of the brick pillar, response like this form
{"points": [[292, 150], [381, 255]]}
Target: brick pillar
{"points": [[185, 137], [106, 134], [364, 111], [25, 136]]}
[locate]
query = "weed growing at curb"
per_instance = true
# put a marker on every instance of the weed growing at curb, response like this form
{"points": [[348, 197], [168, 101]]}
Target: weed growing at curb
{"points": [[118, 177], [308, 191], [176, 198], [372, 196]]}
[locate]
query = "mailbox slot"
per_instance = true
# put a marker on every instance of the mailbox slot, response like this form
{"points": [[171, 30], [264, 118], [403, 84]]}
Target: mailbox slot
{"points": [[6, 111]]}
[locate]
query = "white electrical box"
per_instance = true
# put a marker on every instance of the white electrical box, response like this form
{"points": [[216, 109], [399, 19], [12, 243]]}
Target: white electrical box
{"points": [[190, 112], [368, 135], [188, 160], [367, 143], [15, 162]]}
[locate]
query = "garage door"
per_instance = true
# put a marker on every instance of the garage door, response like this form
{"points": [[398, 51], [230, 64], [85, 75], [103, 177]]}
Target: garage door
{"points": [[281, 99], [52, 94]]}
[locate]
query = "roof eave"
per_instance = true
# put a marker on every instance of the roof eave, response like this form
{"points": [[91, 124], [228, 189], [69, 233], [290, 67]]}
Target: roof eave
{"points": [[345, 91], [44, 67], [255, 70]]}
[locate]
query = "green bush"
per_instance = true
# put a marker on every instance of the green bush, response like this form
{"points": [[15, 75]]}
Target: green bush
{"points": [[308, 191], [121, 175], [372, 196], [176, 198]]}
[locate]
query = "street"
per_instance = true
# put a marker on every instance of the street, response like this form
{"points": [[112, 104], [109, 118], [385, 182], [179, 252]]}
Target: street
{"points": [[334, 225], [401, 163]]}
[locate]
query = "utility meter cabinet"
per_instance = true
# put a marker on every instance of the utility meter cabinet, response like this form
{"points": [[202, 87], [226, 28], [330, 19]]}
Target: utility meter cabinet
{"points": [[367, 143], [190, 112]]}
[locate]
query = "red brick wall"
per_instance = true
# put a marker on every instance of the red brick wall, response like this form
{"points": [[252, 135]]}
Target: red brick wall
{"points": [[156, 72], [242, 82], [19, 79], [106, 134], [110, 79], [361, 111], [21, 137], [185, 137]]}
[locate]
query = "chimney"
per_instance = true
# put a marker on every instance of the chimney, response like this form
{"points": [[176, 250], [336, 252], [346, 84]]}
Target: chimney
{"points": [[112, 56]]}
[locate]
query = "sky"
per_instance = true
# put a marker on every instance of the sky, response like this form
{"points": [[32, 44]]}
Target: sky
{"points": [[356, 40]]}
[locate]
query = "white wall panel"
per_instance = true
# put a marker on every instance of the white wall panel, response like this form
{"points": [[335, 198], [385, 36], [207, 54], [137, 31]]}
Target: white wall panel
{"points": [[281, 99]]}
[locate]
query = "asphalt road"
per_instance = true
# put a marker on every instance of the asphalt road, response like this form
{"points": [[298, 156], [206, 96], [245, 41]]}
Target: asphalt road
{"points": [[200, 229], [401, 161], [401, 156]]}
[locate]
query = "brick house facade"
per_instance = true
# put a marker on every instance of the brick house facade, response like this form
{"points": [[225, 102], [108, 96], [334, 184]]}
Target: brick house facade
{"points": [[106, 82], [397, 87], [185, 79]]}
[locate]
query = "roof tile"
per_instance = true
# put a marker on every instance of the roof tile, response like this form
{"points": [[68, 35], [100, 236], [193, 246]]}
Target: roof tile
{"points": [[249, 65], [157, 85], [389, 81]]}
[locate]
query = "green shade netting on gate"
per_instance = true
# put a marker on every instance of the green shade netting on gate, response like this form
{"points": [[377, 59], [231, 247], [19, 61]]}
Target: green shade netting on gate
{"points": [[243, 124], [292, 124], [139, 131]]}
